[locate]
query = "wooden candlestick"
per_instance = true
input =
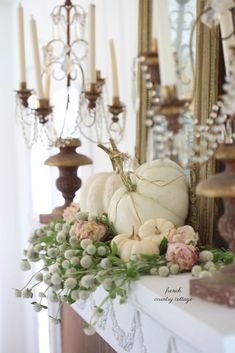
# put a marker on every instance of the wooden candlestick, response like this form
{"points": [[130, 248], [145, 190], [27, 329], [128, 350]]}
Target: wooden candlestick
{"points": [[220, 288], [67, 161]]}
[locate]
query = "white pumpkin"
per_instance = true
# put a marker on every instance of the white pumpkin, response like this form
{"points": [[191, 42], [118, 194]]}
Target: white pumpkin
{"points": [[158, 227], [133, 244], [97, 191], [161, 192]]}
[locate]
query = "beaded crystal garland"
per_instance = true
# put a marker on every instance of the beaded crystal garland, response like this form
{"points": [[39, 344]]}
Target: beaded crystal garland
{"points": [[194, 142], [33, 129]]}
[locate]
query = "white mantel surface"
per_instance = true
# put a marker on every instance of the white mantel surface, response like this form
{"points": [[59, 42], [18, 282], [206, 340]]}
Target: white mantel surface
{"points": [[149, 323]]}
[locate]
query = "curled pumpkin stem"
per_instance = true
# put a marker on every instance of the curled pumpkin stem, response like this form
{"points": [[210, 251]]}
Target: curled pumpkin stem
{"points": [[117, 159]]}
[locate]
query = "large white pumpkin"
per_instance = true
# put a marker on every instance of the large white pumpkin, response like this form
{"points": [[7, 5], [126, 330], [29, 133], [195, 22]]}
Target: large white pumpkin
{"points": [[97, 191], [161, 192]]}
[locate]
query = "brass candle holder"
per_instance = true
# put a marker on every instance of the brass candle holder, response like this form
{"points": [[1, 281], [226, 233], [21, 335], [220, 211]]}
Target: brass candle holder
{"points": [[24, 93], [94, 91], [43, 111], [116, 109], [220, 288], [171, 107], [150, 67], [149, 63]]}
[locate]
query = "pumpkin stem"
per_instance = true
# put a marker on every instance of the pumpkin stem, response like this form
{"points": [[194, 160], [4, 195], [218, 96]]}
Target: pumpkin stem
{"points": [[157, 230], [117, 159], [134, 236]]}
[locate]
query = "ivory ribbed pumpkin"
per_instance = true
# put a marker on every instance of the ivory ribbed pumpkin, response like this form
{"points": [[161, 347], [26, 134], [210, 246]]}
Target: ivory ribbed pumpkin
{"points": [[133, 244], [158, 227], [97, 191], [159, 190]]}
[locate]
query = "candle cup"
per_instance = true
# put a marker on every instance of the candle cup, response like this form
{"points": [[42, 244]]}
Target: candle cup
{"points": [[116, 109], [24, 93], [171, 107], [43, 111], [94, 91], [169, 93]]}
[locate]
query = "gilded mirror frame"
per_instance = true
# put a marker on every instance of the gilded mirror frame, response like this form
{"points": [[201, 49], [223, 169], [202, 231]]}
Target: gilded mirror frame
{"points": [[203, 212]]}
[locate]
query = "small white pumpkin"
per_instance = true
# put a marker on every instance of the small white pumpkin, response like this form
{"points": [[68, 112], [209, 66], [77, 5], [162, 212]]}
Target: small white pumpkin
{"points": [[158, 227], [133, 244], [97, 191], [160, 189]]}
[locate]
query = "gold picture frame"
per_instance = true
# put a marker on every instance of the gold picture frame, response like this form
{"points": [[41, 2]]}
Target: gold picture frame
{"points": [[203, 213]]}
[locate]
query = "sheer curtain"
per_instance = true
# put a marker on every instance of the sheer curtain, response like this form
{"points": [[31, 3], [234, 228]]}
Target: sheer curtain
{"points": [[26, 185], [18, 327]]}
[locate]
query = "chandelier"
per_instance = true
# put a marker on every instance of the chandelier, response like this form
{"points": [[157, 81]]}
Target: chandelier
{"points": [[83, 108], [175, 133]]}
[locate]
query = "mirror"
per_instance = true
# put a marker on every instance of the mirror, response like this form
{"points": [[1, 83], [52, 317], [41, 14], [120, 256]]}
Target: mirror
{"points": [[182, 14], [206, 81]]}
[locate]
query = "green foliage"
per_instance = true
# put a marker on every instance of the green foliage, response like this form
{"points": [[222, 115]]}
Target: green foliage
{"points": [[114, 249], [163, 246], [48, 240], [69, 272]]}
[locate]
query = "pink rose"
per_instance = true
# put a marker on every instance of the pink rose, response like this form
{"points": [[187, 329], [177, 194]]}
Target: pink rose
{"points": [[183, 255], [185, 234], [90, 230], [77, 227], [70, 212]]}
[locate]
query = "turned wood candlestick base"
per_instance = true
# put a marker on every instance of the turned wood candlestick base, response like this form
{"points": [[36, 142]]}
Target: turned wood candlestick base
{"points": [[67, 161], [220, 288]]}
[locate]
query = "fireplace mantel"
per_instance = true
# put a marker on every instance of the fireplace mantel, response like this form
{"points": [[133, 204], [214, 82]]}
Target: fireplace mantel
{"points": [[160, 316]]}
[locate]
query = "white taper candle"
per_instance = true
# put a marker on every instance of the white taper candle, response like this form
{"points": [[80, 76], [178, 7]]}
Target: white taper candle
{"points": [[226, 27], [115, 82], [166, 59], [21, 43], [47, 88], [92, 44], [36, 58]]}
